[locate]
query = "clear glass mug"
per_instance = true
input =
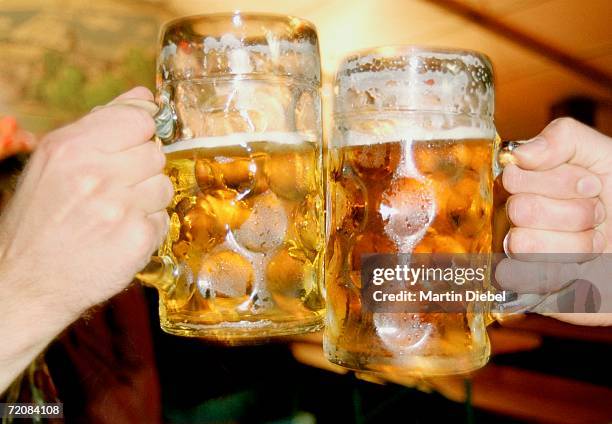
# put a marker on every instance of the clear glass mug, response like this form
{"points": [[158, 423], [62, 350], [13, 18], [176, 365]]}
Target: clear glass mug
{"points": [[412, 161], [240, 123]]}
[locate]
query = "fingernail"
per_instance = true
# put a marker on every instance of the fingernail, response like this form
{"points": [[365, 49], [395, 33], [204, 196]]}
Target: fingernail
{"points": [[600, 213], [599, 242], [532, 147], [588, 186], [507, 243]]}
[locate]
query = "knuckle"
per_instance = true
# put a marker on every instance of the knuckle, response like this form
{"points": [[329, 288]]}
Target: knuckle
{"points": [[563, 125], [111, 212], [142, 92], [88, 183]]}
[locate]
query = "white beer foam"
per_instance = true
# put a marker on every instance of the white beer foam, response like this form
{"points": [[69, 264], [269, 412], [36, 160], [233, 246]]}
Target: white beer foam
{"points": [[464, 84], [238, 139], [466, 57], [356, 138]]}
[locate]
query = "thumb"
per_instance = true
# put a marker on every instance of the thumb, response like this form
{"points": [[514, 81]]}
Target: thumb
{"points": [[565, 140]]}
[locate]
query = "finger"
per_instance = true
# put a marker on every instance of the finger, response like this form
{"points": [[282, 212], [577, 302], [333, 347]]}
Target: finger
{"points": [[115, 128], [153, 194], [137, 96], [136, 93], [161, 222], [137, 164], [565, 140], [150, 107], [543, 213], [528, 241], [563, 182], [534, 277]]}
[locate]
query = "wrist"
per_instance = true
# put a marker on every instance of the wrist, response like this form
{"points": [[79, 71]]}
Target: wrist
{"points": [[31, 317]]}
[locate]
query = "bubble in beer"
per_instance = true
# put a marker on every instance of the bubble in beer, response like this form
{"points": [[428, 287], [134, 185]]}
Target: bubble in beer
{"points": [[407, 208], [266, 226], [226, 273]]}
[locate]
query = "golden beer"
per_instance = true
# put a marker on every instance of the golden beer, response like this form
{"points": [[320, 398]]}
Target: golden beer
{"points": [[431, 196], [246, 222]]}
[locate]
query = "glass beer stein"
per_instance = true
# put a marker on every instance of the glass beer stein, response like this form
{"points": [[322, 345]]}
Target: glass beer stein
{"points": [[411, 170], [240, 124]]}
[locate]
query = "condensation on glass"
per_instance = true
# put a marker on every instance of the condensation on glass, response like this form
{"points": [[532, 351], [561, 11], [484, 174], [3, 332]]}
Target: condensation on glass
{"points": [[241, 127], [410, 171]]}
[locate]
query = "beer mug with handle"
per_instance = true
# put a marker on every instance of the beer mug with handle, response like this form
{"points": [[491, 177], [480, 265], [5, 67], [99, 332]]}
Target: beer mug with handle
{"points": [[240, 124], [412, 161]]}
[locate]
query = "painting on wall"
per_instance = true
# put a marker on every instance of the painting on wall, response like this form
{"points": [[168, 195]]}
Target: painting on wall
{"points": [[60, 58]]}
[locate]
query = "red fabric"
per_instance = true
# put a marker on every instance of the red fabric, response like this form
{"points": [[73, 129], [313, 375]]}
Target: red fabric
{"points": [[104, 366], [12, 138]]}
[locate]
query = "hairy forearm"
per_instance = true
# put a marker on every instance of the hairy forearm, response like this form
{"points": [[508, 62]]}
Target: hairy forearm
{"points": [[31, 318]]}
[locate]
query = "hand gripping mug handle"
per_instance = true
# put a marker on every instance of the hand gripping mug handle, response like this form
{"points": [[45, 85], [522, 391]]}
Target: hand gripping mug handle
{"points": [[519, 303], [161, 272]]}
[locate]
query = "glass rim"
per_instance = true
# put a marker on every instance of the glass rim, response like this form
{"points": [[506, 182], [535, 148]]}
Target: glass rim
{"points": [[407, 50], [278, 17]]}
